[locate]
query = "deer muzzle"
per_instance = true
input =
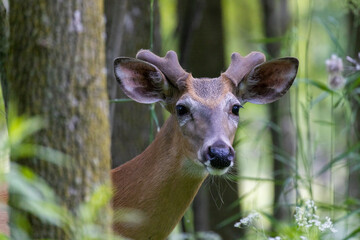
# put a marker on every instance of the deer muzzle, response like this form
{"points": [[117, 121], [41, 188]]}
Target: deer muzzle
{"points": [[219, 156]]}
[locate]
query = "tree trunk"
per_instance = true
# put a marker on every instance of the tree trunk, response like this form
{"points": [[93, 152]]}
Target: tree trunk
{"points": [[56, 71], [3, 52], [200, 21], [128, 31], [3, 161], [276, 21], [354, 96]]}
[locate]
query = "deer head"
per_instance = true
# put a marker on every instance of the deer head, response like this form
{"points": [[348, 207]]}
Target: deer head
{"points": [[206, 109]]}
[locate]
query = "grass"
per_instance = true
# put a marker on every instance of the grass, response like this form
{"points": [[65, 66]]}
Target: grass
{"points": [[322, 118]]}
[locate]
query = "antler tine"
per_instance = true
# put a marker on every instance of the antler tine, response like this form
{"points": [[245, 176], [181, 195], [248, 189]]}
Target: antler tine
{"points": [[168, 65], [240, 66]]}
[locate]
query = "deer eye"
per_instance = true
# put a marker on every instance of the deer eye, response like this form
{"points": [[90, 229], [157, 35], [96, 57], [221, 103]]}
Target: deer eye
{"points": [[181, 110], [235, 109]]}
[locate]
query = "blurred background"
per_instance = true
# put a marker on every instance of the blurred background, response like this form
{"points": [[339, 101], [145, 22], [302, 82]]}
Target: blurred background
{"points": [[305, 146]]}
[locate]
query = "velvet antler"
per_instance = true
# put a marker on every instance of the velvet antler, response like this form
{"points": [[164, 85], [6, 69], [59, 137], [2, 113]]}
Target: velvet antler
{"points": [[168, 65], [240, 66]]}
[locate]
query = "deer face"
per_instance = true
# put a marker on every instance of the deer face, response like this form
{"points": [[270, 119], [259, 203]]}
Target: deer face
{"points": [[207, 114], [206, 109]]}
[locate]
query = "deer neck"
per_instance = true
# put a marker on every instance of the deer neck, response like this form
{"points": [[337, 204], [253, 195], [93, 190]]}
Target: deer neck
{"points": [[160, 183], [169, 153]]}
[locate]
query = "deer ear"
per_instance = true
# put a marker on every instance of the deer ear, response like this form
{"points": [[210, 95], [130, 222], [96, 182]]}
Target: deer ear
{"points": [[140, 80], [269, 81]]}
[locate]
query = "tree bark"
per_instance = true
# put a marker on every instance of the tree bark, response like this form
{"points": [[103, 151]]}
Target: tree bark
{"points": [[3, 162], [128, 30], [276, 21], [56, 71], [3, 52], [200, 21], [354, 96]]}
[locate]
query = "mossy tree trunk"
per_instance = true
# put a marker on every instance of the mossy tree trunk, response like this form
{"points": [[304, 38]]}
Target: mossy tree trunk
{"points": [[3, 162], [3, 51], [276, 22], [127, 31], [200, 21], [56, 71]]}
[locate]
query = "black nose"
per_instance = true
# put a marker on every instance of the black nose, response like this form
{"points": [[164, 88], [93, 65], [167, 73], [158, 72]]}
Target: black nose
{"points": [[220, 155]]}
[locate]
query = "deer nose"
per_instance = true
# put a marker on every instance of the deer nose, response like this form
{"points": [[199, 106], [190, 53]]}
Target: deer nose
{"points": [[220, 155]]}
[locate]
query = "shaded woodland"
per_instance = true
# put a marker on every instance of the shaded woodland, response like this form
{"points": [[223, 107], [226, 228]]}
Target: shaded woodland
{"points": [[64, 122]]}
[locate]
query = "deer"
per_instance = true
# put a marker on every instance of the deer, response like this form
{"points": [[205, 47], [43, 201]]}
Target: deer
{"points": [[196, 140]]}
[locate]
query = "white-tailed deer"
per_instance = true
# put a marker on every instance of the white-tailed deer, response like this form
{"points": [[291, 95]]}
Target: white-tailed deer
{"points": [[197, 138]]}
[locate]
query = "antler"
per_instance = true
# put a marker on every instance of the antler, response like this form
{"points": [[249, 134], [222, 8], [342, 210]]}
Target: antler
{"points": [[168, 65], [240, 66]]}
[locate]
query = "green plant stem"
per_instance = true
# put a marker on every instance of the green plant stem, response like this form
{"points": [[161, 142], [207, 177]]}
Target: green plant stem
{"points": [[151, 25], [153, 117], [189, 223], [308, 100], [331, 182], [296, 116]]}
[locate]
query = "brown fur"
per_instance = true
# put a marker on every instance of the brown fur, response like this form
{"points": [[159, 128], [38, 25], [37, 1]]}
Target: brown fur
{"points": [[208, 91], [161, 189]]}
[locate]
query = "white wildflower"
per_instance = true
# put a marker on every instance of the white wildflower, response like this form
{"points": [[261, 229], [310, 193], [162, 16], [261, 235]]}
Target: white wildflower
{"points": [[356, 63], [247, 221], [306, 217], [300, 217], [237, 225], [336, 81], [327, 225], [303, 238], [310, 204], [334, 66]]}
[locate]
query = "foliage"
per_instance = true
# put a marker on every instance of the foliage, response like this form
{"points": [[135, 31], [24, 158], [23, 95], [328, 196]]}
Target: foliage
{"points": [[307, 225], [31, 194]]}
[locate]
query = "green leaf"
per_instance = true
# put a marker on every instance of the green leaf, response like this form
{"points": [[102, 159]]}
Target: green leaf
{"points": [[339, 157], [323, 122], [3, 237], [332, 36], [320, 98], [353, 82], [319, 85]]}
